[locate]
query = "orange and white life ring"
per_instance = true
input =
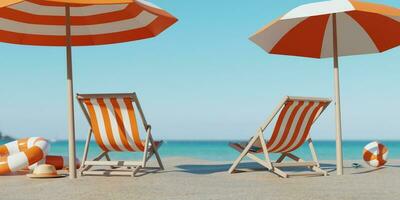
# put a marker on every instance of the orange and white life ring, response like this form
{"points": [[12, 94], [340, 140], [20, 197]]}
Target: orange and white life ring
{"points": [[59, 162], [28, 152]]}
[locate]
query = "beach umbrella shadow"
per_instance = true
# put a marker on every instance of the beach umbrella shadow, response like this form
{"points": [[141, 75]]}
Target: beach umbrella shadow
{"points": [[215, 168], [249, 166], [369, 171], [392, 165]]}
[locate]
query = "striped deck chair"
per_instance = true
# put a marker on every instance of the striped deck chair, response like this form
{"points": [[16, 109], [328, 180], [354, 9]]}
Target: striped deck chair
{"points": [[114, 126], [292, 128]]}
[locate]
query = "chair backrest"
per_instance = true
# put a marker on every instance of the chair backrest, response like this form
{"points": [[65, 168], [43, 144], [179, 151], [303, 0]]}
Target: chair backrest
{"points": [[292, 128], [113, 121]]}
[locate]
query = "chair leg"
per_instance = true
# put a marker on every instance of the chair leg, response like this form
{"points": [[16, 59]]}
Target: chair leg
{"points": [[313, 168], [135, 170], [155, 151], [315, 158], [86, 150], [279, 172], [242, 154], [264, 164], [108, 158], [280, 159], [87, 167]]}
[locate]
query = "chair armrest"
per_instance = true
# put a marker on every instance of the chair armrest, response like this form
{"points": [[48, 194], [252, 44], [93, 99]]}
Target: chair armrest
{"points": [[148, 127]]}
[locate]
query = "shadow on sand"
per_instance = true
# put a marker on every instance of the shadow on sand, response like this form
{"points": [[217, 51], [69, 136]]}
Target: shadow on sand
{"points": [[369, 170], [249, 166]]}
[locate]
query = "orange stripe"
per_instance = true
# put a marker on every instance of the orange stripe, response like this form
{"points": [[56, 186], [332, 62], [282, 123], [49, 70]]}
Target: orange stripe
{"points": [[305, 39], [129, 12], [22, 144], [56, 161], [376, 8], [121, 127], [4, 168], [94, 124], [288, 126], [308, 127], [34, 155], [152, 30], [107, 124], [4, 151], [298, 126], [97, 2], [376, 26], [55, 4], [279, 123], [134, 126], [382, 150], [368, 156]]}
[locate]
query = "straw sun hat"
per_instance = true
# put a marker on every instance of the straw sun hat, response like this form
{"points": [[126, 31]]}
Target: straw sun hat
{"points": [[45, 171]]}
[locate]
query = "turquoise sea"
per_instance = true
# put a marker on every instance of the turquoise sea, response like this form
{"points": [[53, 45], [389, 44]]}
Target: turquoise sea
{"points": [[219, 150]]}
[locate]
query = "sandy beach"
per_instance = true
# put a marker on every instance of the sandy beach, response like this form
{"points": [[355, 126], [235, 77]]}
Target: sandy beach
{"points": [[209, 180]]}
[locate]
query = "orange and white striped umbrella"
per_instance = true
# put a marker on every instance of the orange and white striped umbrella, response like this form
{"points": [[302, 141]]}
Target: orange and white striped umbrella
{"points": [[307, 30], [93, 22], [79, 23], [332, 29]]}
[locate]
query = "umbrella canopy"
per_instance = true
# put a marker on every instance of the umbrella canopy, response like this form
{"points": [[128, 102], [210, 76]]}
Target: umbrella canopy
{"points": [[332, 29], [79, 23], [93, 22], [307, 30]]}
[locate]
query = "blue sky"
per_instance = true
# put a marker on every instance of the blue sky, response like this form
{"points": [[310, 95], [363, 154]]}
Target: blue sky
{"points": [[200, 79]]}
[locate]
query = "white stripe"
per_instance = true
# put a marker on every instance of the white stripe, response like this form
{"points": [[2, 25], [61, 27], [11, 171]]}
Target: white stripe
{"points": [[385, 155], [36, 9], [397, 18], [12, 147], [271, 35], [304, 125], [319, 8], [142, 20], [373, 163], [351, 37], [100, 124], [283, 125], [127, 124], [148, 4], [372, 146], [293, 127], [17, 161], [43, 145], [31, 141], [114, 124]]}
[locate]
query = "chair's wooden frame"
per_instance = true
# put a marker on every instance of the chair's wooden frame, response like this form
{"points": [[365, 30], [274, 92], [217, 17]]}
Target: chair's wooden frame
{"points": [[125, 167], [274, 166]]}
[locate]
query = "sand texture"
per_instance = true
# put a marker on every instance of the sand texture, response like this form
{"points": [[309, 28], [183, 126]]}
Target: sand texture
{"points": [[191, 179]]}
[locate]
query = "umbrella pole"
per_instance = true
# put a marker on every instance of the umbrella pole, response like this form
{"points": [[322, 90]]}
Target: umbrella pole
{"points": [[70, 97], [339, 153]]}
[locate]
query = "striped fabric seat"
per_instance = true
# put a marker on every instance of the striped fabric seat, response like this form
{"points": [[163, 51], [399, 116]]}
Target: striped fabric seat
{"points": [[296, 116], [292, 127], [114, 125]]}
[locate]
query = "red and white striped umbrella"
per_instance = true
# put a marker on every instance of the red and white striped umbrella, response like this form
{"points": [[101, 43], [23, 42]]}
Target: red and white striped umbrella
{"points": [[332, 29], [79, 23], [307, 30]]}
